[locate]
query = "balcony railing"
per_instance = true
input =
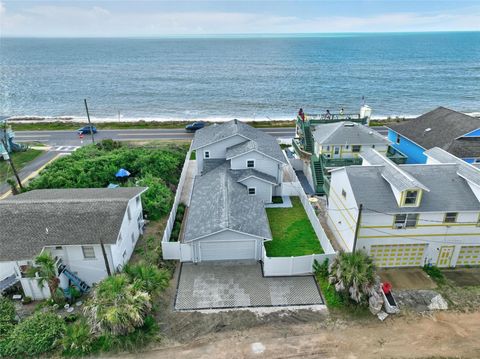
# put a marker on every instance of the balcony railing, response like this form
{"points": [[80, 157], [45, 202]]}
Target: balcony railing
{"points": [[396, 156], [340, 162], [299, 148], [334, 117]]}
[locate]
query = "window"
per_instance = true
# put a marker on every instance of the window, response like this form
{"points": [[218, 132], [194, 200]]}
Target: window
{"points": [[129, 213], [133, 238], [250, 163], [336, 150], [58, 248], [450, 217], [344, 194], [206, 154], [328, 148], [137, 200], [405, 220], [119, 240], [411, 197], [124, 255], [347, 147], [398, 138], [373, 146], [478, 221], [88, 252], [356, 148], [251, 190]]}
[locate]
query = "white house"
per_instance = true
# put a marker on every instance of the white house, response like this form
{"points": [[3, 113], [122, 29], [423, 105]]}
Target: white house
{"points": [[71, 224], [411, 214], [346, 140], [239, 170]]}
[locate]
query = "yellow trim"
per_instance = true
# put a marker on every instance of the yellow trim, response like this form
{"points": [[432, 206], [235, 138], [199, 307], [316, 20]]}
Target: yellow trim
{"points": [[449, 259], [473, 224], [341, 212], [406, 217], [413, 235]]}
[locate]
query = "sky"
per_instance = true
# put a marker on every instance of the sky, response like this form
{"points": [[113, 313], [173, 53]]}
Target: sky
{"points": [[118, 18]]}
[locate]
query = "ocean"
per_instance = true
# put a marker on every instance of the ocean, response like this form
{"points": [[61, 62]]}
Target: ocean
{"points": [[244, 77]]}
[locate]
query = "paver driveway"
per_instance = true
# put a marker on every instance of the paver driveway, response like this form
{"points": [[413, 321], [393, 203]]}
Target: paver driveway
{"points": [[237, 284]]}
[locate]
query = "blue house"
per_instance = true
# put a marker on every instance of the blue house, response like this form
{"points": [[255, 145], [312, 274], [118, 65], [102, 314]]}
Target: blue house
{"points": [[450, 130]]}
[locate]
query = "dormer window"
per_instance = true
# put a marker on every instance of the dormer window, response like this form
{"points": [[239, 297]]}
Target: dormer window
{"points": [[251, 164], [411, 198]]}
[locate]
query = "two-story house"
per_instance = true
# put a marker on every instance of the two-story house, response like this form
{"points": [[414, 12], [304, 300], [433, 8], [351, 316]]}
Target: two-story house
{"points": [[239, 169], [408, 215], [89, 231], [450, 130]]}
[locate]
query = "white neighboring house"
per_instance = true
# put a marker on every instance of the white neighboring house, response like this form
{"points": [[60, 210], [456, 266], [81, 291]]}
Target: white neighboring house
{"points": [[239, 169], [412, 214], [346, 140], [71, 224]]}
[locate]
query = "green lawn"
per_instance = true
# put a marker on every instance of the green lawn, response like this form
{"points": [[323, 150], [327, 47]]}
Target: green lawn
{"points": [[293, 235], [20, 159]]}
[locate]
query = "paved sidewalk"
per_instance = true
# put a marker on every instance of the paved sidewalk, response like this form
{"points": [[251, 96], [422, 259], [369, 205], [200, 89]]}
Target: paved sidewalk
{"points": [[187, 186], [287, 203], [237, 284]]}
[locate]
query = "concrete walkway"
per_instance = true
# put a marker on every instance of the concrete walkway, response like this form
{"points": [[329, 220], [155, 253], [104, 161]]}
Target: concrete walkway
{"points": [[240, 284], [287, 203], [188, 185], [303, 180]]}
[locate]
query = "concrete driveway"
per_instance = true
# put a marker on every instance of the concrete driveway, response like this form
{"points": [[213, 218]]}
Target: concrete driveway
{"points": [[237, 284], [407, 278]]}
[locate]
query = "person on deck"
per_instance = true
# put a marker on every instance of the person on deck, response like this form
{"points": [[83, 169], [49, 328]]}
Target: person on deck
{"points": [[301, 114], [328, 115]]}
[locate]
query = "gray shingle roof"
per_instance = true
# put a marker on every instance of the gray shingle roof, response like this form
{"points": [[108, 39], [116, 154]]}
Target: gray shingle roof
{"points": [[445, 127], [211, 163], [264, 143], [240, 175], [219, 202], [448, 191], [467, 171], [72, 217], [395, 175], [341, 133]]}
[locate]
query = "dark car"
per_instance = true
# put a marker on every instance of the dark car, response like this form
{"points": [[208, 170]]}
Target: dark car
{"points": [[85, 130], [192, 127]]}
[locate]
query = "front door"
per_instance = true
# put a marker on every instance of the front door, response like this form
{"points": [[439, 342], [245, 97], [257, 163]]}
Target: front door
{"points": [[336, 152], [445, 256]]}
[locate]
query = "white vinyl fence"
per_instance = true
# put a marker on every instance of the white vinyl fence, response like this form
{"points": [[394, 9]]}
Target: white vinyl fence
{"points": [[298, 265], [177, 250]]}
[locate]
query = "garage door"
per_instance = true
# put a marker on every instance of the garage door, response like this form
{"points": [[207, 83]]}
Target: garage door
{"points": [[226, 250], [469, 255], [398, 255]]}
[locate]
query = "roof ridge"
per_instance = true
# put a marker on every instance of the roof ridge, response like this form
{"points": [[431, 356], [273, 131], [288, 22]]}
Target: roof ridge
{"points": [[226, 200]]}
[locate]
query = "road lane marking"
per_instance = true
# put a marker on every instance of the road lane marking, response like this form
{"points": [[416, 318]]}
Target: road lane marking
{"points": [[30, 136]]}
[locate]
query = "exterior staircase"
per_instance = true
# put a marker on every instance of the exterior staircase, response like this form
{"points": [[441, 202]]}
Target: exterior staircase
{"points": [[317, 172], [308, 139], [77, 282]]}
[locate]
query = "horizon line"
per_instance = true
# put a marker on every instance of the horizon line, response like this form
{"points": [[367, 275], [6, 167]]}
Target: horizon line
{"points": [[263, 34]]}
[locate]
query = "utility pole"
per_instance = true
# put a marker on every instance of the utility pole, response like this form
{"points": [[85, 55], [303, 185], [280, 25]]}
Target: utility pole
{"points": [[107, 266], [9, 159], [89, 123], [357, 227]]}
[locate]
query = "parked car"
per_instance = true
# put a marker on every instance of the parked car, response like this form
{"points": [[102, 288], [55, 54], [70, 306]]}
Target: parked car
{"points": [[85, 130], [192, 127]]}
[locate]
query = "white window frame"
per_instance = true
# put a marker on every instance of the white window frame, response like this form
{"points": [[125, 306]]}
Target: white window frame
{"points": [[359, 148], [254, 191], [417, 197], [206, 154], [88, 257], [251, 160], [398, 224], [451, 219]]}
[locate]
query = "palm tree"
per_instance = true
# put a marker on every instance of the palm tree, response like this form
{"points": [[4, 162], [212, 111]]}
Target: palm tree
{"points": [[148, 277], [45, 267], [117, 306], [353, 273]]}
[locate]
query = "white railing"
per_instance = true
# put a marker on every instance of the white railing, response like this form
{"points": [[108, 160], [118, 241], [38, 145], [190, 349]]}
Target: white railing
{"points": [[175, 250], [290, 266]]}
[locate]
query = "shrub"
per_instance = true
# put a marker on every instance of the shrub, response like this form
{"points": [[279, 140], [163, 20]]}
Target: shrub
{"points": [[117, 306], [35, 335], [435, 273], [26, 300], [7, 316], [78, 339], [148, 277], [158, 199]]}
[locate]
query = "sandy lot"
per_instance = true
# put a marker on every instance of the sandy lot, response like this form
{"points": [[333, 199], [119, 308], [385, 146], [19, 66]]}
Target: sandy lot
{"points": [[445, 335]]}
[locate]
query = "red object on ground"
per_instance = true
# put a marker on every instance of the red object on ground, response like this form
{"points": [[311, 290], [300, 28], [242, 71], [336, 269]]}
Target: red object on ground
{"points": [[387, 287], [81, 135]]}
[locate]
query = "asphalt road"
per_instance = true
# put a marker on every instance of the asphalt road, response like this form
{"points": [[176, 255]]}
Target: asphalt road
{"points": [[71, 138]]}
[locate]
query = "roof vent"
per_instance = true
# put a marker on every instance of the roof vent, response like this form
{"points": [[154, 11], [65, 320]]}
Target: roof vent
{"points": [[370, 132], [428, 129], [235, 121]]}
